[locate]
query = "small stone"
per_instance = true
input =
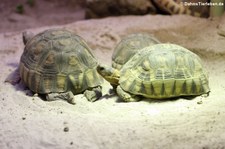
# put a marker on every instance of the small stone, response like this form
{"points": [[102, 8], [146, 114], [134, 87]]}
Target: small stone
{"points": [[66, 129], [199, 102], [23, 118]]}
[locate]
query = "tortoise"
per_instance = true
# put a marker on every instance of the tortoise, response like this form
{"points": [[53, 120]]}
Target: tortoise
{"points": [[129, 45], [176, 7], [59, 64], [157, 72]]}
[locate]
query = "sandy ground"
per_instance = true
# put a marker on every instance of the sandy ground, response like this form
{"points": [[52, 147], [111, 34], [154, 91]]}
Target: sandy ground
{"points": [[27, 121]]}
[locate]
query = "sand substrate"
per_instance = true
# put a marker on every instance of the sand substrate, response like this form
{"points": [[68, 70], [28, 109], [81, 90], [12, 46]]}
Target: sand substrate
{"points": [[27, 121]]}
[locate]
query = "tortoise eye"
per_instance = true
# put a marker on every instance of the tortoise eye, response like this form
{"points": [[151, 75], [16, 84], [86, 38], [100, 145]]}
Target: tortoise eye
{"points": [[100, 68]]}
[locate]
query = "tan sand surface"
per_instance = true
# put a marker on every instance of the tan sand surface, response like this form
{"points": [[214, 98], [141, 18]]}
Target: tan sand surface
{"points": [[27, 121]]}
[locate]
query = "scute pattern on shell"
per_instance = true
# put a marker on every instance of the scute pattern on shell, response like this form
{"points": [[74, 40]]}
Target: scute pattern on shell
{"points": [[57, 60], [164, 71], [128, 46]]}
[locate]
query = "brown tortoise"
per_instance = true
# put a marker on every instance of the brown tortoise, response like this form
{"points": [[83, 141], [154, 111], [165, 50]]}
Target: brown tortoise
{"points": [[59, 64]]}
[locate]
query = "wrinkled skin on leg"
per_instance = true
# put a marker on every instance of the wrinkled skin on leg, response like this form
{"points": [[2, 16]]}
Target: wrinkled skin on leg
{"points": [[68, 96], [126, 96], [93, 94]]}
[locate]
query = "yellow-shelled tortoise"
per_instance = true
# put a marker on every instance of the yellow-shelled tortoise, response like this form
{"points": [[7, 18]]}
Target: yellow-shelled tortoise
{"points": [[157, 72]]}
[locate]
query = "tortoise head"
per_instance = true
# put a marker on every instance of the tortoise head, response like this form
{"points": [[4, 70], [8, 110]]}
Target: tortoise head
{"points": [[109, 74], [27, 36]]}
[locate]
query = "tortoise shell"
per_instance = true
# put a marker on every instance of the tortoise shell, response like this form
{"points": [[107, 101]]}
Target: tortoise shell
{"points": [[58, 61], [164, 71], [128, 46]]}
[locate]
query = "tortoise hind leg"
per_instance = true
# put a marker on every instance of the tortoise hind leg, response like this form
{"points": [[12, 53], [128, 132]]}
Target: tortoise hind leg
{"points": [[68, 96], [93, 94], [13, 77], [126, 96]]}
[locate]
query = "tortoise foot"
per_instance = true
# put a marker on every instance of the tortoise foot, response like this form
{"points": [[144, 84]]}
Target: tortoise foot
{"points": [[94, 94], [126, 96], [68, 96]]}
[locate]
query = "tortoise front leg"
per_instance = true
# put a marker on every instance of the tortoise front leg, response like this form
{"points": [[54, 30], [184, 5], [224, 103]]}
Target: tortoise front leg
{"points": [[93, 94], [126, 96], [68, 96]]}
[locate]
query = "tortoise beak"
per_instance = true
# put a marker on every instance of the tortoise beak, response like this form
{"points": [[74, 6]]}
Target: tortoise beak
{"points": [[108, 73]]}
